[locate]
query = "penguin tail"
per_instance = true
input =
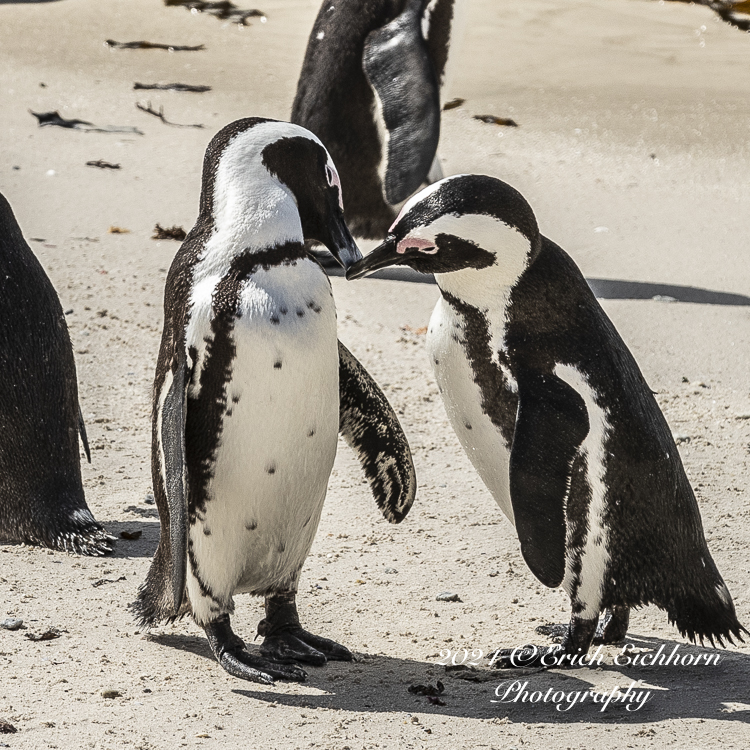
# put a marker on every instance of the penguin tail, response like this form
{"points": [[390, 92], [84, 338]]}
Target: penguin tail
{"points": [[708, 616], [70, 530], [155, 602]]}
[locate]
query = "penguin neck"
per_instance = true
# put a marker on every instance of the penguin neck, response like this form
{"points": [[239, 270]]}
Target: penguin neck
{"points": [[249, 221], [489, 288]]}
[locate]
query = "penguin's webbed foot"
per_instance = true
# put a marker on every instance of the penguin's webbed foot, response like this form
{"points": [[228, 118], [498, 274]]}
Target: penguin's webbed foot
{"points": [[572, 651], [284, 640], [554, 631], [230, 651], [612, 628], [297, 644]]}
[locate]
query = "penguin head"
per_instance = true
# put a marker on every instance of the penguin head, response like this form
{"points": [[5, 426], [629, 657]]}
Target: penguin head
{"points": [[275, 182], [464, 223]]}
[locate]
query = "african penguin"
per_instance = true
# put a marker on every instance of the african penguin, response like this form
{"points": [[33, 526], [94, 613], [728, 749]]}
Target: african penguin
{"points": [[41, 492], [370, 90], [251, 391], [552, 410]]}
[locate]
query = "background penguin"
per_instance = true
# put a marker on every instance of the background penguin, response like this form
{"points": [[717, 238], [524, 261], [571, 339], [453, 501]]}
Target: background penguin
{"points": [[251, 390], [41, 493], [556, 417], [370, 90]]}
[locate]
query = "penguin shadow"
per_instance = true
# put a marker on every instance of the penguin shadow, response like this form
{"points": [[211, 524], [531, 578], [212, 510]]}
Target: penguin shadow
{"points": [[616, 289], [693, 689], [602, 288], [144, 546]]}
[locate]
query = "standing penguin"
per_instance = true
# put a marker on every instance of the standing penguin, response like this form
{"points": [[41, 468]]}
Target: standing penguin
{"points": [[370, 90], [251, 390], [556, 417], [41, 493]]}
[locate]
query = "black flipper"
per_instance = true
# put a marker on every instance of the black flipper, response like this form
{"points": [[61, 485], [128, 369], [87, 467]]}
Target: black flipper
{"points": [[82, 431], [173, 445], [397, 64], [551, 424], [371, 428]]}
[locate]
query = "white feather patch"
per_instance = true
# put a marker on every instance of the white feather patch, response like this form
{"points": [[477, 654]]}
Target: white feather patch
{"points": [[595, 553]]}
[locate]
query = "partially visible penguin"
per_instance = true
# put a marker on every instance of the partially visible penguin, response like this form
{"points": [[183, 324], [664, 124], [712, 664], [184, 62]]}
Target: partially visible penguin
{"points": [[370, 90], [251, 391], [556, 417], [41, 493]]}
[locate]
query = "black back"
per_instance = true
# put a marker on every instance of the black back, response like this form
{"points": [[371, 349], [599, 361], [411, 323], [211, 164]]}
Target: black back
{"points": [[335, 101], [41, 493]]}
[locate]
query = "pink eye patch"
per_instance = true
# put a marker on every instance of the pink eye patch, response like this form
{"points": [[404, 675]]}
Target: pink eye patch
{"points": [[424, 246]]}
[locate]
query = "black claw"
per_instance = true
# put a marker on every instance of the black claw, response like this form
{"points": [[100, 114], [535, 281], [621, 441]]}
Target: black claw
{"points": [[231, 653]]}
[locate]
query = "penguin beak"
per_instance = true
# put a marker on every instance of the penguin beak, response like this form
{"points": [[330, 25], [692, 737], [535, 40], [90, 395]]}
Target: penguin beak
{"points": [[341, 243], [382, 256]]}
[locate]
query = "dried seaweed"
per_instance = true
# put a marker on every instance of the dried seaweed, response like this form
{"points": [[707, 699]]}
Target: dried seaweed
{"points": [[727, 10], [154, 45], [168, 233], [171, 87], [6, 727], [54, 118], [494, 120], [453, 103], [103, 164], [148, 109], [131, 536], [47, 635], [428, 690], [222, 9]]}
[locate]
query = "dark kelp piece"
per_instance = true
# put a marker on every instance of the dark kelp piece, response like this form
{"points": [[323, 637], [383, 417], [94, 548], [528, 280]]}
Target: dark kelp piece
{"points": [[221, 9], [170, 87], [149, 110], [168, 233], [495, 120], [54, 118], [154, 45]]}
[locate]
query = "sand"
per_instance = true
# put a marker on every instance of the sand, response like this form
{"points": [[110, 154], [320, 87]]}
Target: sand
{"points": [[632, 147]]}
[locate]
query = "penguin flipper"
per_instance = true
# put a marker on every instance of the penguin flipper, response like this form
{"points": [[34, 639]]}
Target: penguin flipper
{"points": [[82, 431], [551, 424], [172, 439], [371, 428], [397, 64]]}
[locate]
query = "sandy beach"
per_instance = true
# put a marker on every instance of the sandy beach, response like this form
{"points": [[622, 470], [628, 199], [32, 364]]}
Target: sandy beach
{"points": [[632, 147]]}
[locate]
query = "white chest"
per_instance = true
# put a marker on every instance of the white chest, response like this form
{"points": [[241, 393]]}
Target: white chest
{"points": [[279, 430], [480, 438]]}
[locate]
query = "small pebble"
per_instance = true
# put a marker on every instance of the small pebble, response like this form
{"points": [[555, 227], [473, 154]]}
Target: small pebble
{"points": [[663, 298], [11, 624], [681, 439], [446, 596], [149, 499], [111, 694], [743, 415], [390, 571]]}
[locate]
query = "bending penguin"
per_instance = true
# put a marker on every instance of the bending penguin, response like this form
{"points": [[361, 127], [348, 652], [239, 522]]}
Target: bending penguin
{"points": [[370, 90], [251, 391], [552, 410], [41, 492]]}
